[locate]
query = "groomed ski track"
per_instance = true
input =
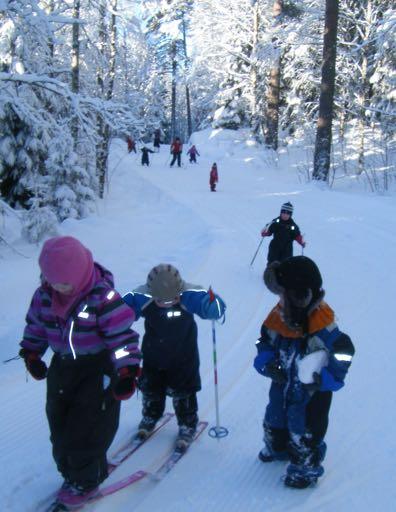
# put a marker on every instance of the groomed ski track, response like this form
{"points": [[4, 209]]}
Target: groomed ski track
{"points": [[158, 214]]}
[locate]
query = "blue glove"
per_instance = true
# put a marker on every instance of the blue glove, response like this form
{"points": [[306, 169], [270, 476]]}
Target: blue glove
{"points": [[212, 307]]}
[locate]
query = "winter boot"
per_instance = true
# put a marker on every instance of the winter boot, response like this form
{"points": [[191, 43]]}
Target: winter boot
{"points": [[185, 437], [74, 497], [267, 455], [301, 476], [146, 426], [299, 482]]}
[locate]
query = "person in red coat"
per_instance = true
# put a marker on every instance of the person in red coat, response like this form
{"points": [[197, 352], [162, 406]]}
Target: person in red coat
{"points": [[213, 178], [176, 151], [131, 144]]}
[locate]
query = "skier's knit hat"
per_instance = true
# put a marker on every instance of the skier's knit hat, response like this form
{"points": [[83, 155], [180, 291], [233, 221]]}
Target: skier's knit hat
{"points": [[287, 207], [164, 282], [64, 259]]}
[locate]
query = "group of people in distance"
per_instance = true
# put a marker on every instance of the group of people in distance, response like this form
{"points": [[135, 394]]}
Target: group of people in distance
{"points": [[96, 362], [176, 150]]}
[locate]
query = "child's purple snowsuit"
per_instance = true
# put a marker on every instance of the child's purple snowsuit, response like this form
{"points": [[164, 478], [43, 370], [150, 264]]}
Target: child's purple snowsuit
{"points": [[90, 345]]}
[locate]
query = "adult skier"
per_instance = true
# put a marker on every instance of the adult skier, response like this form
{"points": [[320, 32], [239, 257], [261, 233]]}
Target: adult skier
{"points": [[131, 144], [176, 150], [157, 139]]}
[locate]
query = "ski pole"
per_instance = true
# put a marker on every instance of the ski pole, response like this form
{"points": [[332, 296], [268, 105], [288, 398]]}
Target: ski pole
{"points": [[15, 358], [217, 431], [302, 247], [258, 248]]}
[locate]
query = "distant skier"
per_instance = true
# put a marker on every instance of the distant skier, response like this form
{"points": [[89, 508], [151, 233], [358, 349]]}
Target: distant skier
{"points": [[170, 349], [176, 150], [145, 155], [307, 357], [78, 313], [213, 177], [157, 139], [284, 231], [131, 144], [193, 152]]}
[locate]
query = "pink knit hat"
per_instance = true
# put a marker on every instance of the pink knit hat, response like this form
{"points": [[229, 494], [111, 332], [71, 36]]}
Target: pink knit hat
{"points": [[64, 259]]}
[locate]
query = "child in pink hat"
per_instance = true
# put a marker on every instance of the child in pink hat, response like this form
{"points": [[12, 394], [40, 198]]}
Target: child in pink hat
{"points": [[77, 312]]}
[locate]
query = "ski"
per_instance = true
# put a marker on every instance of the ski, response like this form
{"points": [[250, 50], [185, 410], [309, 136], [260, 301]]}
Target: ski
{"points": [[123, 453], [171, 461], [103, 492], [133, 445]]}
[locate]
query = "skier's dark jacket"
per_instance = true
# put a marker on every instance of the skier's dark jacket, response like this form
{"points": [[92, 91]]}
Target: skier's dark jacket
{"points": [[284, 233], [288, 401], [170, 339], [146, 151]]}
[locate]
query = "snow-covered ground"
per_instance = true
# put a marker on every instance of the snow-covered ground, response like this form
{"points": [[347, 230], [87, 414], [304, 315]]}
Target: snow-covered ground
{"points": [[158, 214]]}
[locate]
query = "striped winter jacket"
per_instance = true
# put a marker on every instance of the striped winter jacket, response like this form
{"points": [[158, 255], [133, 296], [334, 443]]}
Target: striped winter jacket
{"points": [[100, 321]]}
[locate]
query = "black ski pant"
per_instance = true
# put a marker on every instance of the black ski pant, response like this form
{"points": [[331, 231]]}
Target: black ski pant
{"points": [[176, 156], [145, 160], [309, 450], [83, 416], [278, 252], [156, 386]]}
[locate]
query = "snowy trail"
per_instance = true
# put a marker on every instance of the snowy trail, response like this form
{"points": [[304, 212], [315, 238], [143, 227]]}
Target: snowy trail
{"points": [[159, 214]]}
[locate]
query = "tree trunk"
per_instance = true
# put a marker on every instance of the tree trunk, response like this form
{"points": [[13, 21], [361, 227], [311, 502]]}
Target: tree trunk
{"points": [[255, 121], [188, 103], [100, 150], [104, 134], [75, 64], [173, 113], [324, 125], [363, 92], [273, 95]]}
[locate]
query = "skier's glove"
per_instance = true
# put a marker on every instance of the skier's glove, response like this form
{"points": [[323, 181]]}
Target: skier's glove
{"points": [[301, 240], [212, 306], [125, 382], [274, 371], [315, 385], [34, 365]]}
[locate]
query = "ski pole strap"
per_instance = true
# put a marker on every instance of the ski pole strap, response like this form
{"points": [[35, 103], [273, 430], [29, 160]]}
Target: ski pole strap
{"points": [[221, 320]]}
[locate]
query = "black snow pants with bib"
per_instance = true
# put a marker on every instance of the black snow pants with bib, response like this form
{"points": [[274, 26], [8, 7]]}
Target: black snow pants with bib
{"points": [[83, 416]]}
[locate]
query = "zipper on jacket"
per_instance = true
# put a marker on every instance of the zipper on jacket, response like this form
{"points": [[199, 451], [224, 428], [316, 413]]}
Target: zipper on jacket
{"points": [[70, 340]]}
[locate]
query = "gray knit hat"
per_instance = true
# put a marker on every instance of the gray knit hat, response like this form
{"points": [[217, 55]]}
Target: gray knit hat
{"points": [[287, 207], [164, 282]]}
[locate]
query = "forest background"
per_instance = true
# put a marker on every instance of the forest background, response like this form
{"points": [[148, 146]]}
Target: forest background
{"points": [[76, 73]]}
